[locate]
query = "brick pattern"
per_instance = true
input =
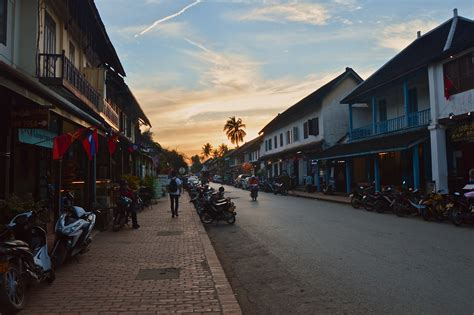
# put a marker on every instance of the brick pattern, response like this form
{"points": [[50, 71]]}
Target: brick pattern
{"points": [[103, 281]]}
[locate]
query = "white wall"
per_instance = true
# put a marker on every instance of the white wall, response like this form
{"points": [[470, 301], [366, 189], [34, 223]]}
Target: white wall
{"points": [[6, 51]]}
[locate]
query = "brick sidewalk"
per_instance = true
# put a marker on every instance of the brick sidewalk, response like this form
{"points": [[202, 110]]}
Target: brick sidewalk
{"points": [[119, 274]]}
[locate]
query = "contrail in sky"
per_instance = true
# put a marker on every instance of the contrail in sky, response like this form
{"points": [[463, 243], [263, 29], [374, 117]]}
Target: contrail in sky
{"points": [[169, 17]]}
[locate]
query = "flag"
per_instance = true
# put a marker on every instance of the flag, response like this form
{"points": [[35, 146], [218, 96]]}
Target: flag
{"points": [[63, 142], [91, 143], [133, 147], [449, 88], [112, 144]]}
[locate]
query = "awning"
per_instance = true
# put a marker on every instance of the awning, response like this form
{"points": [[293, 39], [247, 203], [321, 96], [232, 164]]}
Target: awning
{"points": [[388, 143], [305, 149]]}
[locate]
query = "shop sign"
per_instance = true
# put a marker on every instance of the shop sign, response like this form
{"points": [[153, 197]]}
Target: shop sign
{"points": [[463, 132], [39, 137], [30, 117]]}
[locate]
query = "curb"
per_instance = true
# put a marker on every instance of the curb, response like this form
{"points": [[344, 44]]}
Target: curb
{"points": [[225, 293], [319, 198]]}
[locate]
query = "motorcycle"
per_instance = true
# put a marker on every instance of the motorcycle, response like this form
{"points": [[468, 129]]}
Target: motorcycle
{"points": [[254, 192], [121, 212], [435, 207], [368, 200], [462, 207], [216, 208], [358, 194], [408, 202], [73, 233], [384, 200], [23, 259], [280, 188]]}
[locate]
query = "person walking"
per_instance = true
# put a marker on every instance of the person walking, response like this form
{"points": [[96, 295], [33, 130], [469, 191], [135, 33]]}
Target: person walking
{"points": [[127, 192], [174, 190], [309, 183]]}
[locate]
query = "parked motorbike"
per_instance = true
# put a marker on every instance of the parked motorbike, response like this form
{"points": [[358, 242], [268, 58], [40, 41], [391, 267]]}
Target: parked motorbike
{"points": [[23, 259], [462, 208], [280, 188], [407, 202], [384, 200], [435, 207], [254, 192], [121, 212], [216, 208], [368, 200], [358, 194], [73, 232]]}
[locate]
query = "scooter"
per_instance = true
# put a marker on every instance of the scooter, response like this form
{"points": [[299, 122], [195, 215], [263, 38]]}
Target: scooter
{"points": [[121, 212], [280, 188], [254, 192], [23, 259], [73, 232], [358, 195]]}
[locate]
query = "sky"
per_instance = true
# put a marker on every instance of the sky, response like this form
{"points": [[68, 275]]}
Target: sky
{"points": [[194, 63]]}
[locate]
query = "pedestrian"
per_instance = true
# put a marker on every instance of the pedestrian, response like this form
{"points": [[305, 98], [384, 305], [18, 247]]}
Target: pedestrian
{"points": [[127, 192], [309, 183], [174, 189]]}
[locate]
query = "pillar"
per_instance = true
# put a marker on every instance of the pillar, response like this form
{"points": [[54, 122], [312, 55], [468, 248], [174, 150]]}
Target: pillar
{"points": [[348, 176], [416, 167], [439, 163], [93, 181], [318, 179], [374, 116], [350, 121], [406, 101], [378, 186]]}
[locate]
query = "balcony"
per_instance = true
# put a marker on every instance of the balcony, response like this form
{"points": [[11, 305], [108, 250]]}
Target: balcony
{"points": [[57, 69], [111, 114], [412, 120]]}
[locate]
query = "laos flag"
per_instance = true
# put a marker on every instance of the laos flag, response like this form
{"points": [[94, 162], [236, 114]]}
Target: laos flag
{"points": [[91, 143]]}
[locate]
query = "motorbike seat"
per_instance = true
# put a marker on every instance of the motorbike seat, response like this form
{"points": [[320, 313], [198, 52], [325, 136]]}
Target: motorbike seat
{"points": [[15, 243]]}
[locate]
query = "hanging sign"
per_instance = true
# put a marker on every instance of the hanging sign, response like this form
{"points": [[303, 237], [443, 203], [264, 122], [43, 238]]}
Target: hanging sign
{"points": [[464, 132], [39, 137], [29, 117]]}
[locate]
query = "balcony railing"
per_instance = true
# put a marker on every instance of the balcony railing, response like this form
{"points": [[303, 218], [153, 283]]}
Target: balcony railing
{"points": [[111, 113], [58, 69], [416, 119]]}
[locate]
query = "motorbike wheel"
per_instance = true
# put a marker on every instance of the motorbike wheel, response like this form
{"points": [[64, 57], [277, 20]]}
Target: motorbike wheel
{"points": [[206, 218], [426, 213], [12, 291], [379, 206], [230, 219], [59, 254], [456, 217], [50, 277], [355, 202], [367, 205], [119, 221], [398, 209]]}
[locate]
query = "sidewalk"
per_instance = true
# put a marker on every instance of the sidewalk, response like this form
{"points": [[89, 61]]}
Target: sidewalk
{"points": [[320, 196], [167, 266]]}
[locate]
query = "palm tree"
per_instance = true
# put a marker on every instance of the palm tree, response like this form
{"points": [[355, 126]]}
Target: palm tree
{"points": [[223, 149], [206, 150], [234, 129], [215, 153]]}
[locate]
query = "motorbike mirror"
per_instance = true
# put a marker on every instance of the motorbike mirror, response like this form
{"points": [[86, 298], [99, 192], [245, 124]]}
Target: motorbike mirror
{"points": [[404, 182], [457, 194]]}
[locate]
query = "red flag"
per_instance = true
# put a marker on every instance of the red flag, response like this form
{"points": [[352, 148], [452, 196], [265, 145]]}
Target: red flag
{"points": [[112, 143], [60, 145], [91, 143], [449, 88]]}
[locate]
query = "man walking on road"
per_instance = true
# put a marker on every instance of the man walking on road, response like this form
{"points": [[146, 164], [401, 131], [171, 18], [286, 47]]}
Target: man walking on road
{"points": [[174, 189]]}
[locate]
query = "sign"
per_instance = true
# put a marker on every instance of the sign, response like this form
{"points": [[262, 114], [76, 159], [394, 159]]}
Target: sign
{"points": [[30, 117], [182, 170], [463, 132], [161, 182], [39, 137]]}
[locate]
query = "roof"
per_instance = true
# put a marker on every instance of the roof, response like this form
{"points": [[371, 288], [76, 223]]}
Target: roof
{"points": [[387, 143], [311, 148], [432, 46], [252, 144], [306, 105]]}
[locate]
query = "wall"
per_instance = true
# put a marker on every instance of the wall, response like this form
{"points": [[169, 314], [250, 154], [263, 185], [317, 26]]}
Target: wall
{"points": [[6, 51]]}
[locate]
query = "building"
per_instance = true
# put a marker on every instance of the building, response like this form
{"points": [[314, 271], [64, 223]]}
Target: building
{"points": [[314, 123], [400, 131]]}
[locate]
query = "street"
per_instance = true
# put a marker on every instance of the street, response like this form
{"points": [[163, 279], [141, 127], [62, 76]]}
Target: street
{"points": [[293, 255]]}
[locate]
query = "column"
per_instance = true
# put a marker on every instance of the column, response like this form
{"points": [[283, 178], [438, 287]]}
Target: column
{"points": [[93, 181], [350, 121], [406, 101], [374, 115], [368, 166], [318, 179], [378, 186], [439, 163], [416, 167], [348, 176]]}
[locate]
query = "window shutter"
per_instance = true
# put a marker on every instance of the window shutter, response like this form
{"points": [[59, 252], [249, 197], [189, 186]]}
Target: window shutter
{"points": [[310, 126], [305, 130], [316, 126], [296, 136]]}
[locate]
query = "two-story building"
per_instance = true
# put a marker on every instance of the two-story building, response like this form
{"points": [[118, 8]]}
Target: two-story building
{"points": [[314, 123], [389, 114]]}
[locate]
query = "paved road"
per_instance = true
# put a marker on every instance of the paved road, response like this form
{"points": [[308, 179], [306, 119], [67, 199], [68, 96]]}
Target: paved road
{"points": [[288, 254]]}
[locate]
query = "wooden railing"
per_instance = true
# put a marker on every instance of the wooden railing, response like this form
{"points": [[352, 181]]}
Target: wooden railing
{"points": [[58, 66], [111, 113]]}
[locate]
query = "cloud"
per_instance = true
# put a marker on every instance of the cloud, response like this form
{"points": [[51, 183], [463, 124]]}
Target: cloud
{"points": [[398, 36], [307, 13], [169, 17], [171, 29], [348, 4]]}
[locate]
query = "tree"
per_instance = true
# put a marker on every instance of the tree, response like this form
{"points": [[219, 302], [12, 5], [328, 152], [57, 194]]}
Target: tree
{"points": [[196, 164], [234, 130], [223, 149], [215, 153], [206, 150]]}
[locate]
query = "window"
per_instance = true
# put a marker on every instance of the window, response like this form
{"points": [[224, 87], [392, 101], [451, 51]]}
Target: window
{"points": [[3, 22], [305, 130], [313, 126], [49, 34], [276, 142], [281, 139], [288, 137], [296, 134], [412, 101], [459, 74], [266, 145], [270, 144], [382, 110]]}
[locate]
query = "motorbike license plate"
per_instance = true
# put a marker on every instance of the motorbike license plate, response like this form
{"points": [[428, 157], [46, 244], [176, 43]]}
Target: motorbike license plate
{"points": [[4, 266], [351, 195], [449, 205]]}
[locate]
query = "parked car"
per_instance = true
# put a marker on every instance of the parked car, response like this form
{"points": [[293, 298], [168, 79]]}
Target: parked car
{"points": [[217, 179], [239, 180]]}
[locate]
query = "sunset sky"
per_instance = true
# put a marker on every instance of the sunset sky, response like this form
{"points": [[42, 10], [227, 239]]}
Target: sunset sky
{"points": [[194, 63]]}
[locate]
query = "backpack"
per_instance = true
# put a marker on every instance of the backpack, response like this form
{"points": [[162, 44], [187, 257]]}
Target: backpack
{"points": [[173, 186]]}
